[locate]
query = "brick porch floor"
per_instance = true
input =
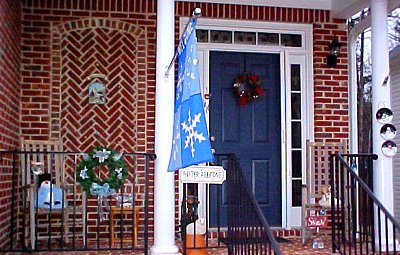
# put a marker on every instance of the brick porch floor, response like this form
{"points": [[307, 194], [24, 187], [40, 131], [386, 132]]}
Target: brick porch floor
{"points": [[292, 247]]}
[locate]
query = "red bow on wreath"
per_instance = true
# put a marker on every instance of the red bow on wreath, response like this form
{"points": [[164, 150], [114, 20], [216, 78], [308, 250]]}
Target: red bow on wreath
{"points": [[247, 87]]}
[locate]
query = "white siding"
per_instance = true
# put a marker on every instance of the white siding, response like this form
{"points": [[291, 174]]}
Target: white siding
{"points": [[395, 91]]}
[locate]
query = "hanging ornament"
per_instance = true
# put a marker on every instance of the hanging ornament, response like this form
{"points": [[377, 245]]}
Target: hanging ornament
{"points": [[389, 148], [388, 131], [37, 167], [384, 115]]}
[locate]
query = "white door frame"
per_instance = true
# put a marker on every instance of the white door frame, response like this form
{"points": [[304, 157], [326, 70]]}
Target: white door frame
{"points": [[287, 56]]}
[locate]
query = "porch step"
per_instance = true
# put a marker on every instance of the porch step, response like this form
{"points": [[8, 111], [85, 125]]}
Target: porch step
{"points": [[213, 234], [286, 232]]}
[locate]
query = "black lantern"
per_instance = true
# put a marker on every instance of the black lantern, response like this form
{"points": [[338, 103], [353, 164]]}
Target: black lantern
{"points": [[334, 49]]}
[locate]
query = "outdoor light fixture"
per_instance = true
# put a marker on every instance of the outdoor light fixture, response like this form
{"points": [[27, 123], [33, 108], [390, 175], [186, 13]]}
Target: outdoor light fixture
{"points": [[334, 49]]}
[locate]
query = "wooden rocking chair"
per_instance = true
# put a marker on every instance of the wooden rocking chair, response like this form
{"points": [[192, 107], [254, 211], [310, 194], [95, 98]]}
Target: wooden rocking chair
{"points": [[316, 191], [52, 216]]}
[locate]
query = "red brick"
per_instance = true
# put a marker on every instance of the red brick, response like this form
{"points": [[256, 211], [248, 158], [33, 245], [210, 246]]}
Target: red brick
{"points": [[134, 12]]}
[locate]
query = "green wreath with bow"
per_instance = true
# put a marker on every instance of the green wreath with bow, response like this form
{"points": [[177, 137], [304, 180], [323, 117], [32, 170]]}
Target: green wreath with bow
{"points": [[98, 157]]}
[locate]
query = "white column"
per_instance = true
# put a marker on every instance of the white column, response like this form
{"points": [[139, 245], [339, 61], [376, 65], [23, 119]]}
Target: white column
{"points": [[383, 167], [164, 183]]}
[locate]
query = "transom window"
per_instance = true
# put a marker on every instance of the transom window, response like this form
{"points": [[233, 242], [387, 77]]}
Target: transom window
{"points": [[249, 38]]}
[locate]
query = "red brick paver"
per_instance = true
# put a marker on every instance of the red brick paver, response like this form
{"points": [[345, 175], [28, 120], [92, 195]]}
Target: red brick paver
{"points": [[293, 247]]}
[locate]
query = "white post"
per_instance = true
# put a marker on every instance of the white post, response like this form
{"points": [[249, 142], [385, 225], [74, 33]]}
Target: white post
{"points": [[164, 182], [383, 167]]}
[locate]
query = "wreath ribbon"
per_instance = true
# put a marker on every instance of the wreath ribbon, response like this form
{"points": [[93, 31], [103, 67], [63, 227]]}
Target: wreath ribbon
{"points": [[102, 191]]}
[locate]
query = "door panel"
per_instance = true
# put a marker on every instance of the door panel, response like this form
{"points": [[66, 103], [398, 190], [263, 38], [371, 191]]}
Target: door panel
{"points": [[251, 131]]}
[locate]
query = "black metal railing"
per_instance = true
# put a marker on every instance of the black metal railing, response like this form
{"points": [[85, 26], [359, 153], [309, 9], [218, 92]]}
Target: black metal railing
{"points": [[361, 224], [74, 221], [235, 220]]}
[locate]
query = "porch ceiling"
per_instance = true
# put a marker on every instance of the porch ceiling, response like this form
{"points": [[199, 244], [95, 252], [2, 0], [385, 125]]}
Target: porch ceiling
{"points": [[347, 8]]}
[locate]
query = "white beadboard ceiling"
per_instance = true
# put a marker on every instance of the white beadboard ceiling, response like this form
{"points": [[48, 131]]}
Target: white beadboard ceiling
{"points": [[347, 8], [340, 8]]}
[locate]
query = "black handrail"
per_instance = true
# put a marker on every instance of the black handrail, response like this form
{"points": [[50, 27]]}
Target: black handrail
{"points": [[359, 218], [265, 231], [247, 231]]}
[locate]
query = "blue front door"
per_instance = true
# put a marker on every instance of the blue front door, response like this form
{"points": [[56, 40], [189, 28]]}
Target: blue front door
{"points": [[252, 131]]}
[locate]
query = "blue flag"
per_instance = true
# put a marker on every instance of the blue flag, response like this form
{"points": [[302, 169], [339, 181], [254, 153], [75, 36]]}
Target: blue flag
{"points": [[190, 144]]}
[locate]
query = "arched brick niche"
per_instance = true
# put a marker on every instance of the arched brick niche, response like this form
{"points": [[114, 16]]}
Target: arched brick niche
{"points": [[114, 53], [108, 51]]}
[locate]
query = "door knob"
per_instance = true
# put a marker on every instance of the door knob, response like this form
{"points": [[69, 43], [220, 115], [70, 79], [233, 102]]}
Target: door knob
{"points": [[212, 138]]}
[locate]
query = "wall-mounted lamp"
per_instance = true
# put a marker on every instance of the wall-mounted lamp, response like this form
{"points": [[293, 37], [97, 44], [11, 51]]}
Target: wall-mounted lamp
{"points": [[334, 49]]}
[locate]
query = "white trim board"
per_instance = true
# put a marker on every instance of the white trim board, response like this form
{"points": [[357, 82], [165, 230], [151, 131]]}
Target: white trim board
{"points": [[306, 4]]}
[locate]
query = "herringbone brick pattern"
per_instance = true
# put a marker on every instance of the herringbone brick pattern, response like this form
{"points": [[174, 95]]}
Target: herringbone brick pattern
{"points": [[113, 54], [109, 52]]}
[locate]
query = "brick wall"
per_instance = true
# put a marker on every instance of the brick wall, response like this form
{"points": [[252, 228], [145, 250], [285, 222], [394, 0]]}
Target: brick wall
{"points": [[10, 38], [63, 45], [331, 120], [331, 97], [69, 45], [65, 42], [42, 81]]}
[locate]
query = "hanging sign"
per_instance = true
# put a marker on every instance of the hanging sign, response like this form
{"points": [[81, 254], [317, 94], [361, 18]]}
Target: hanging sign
{"points": [[203, 174], [317, 221]]}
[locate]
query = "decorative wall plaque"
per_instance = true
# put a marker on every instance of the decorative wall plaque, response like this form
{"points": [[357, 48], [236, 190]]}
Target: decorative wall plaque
{"points": [[97, 93]]}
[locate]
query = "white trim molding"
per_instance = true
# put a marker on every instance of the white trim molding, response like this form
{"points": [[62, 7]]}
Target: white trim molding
{"points": [[306, 4]]}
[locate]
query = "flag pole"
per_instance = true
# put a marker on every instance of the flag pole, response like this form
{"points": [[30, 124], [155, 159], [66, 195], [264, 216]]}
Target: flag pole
{"points": [[196, 13]]}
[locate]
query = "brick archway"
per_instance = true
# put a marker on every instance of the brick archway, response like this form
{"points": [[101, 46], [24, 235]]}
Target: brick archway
{"points": [[81, 50]]}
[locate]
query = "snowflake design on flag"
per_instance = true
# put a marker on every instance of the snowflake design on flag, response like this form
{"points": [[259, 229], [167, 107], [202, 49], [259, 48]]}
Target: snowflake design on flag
{"points": [[192, 134], [175, 142]]}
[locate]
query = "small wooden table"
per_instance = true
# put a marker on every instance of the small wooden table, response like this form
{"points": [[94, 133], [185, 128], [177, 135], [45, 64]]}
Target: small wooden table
{"points": [[118, 213]]}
